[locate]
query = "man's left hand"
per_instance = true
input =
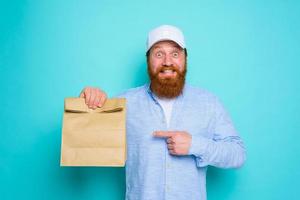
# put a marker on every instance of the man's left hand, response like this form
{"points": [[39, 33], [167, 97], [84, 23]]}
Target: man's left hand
{"points": [[178, 142]]}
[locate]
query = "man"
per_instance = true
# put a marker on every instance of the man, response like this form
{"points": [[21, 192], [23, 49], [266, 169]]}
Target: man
{"points": [[174, 131]]}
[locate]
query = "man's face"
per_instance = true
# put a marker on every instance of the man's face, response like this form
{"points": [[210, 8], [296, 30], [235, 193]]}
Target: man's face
{"points": [[167, 69]]}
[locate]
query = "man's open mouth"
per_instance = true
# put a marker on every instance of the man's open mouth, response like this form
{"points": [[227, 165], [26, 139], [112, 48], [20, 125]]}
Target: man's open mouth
{"points": [[167, 72]]}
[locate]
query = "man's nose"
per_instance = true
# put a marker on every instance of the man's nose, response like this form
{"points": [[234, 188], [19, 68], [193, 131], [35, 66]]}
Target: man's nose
{"points": [[167, 61]]}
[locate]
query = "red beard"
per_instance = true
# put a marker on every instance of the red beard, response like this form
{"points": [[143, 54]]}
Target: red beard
{"points": [[167, 87]]}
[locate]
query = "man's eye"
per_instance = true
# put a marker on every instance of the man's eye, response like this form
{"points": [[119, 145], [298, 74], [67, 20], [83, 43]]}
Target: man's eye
{"points": [[175, 54], [158, 54]]}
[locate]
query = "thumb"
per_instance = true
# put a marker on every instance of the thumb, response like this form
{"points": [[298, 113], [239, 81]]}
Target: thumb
{"points": [[82, 95], [162, 134]]}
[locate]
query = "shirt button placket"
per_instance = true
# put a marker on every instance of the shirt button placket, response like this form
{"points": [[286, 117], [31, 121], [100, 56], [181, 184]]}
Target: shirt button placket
{"points": [[168, 173]]}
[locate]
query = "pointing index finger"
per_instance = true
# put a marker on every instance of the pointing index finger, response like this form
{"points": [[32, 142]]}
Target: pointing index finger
{"points": [[162, 134]]}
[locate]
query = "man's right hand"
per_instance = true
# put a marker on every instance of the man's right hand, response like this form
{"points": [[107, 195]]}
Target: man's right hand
{"points": [[94, 97]]}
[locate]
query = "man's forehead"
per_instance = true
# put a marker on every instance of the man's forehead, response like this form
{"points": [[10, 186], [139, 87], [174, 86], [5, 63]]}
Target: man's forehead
{"points": [[166, 43]]}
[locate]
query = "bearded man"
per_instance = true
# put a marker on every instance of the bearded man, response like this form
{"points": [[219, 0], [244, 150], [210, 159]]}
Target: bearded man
{"points": [[174, 131]]}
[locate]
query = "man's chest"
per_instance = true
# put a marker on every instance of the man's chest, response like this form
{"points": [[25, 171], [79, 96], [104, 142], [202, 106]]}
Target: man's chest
{"points": [[143, 121]]}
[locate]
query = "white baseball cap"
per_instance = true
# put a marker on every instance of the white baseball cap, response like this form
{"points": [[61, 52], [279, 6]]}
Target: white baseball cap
{"points": [[163, 33]]}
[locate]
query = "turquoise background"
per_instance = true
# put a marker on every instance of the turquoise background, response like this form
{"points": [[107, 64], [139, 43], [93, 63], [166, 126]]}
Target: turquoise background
{"points": [[246, 52]]}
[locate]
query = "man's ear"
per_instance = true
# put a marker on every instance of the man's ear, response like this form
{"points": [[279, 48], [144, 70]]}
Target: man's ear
{"points": [[185, 51]]}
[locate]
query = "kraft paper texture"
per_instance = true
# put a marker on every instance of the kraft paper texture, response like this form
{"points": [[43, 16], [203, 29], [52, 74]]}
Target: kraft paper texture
{"points": [[94, 137]]}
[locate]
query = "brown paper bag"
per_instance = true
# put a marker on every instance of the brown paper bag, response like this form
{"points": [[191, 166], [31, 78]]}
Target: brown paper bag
{"points": [[94, 137]]}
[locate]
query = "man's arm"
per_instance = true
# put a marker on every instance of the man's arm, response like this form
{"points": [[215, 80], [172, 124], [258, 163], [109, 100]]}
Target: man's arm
{"points": [[225, 149]]}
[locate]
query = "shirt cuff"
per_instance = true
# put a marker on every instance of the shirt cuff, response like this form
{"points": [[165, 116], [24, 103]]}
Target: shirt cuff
{"points": [[198, 145]]}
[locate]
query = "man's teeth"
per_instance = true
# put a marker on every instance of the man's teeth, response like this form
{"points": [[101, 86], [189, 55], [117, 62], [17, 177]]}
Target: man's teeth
{"points": [[167, 71]]}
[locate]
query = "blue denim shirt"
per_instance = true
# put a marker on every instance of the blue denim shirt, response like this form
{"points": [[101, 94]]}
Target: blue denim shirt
{"points": [[151, 172]]}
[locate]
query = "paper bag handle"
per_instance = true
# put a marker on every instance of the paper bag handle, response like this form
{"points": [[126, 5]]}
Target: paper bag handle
{"points": [[77, 105]]}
